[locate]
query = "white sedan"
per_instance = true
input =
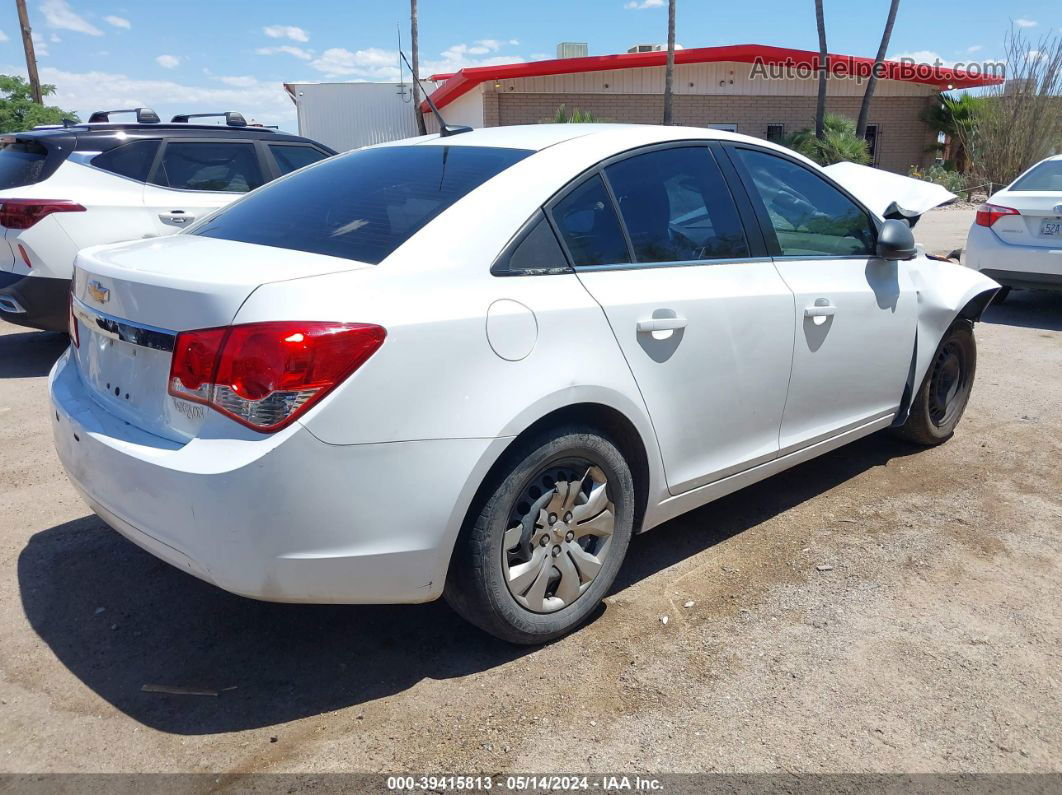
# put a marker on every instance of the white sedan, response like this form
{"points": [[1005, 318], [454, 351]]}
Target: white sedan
{"points": [[473, 366], [1016, 237]]}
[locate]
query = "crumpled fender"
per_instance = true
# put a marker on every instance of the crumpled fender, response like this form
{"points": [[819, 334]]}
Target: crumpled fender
{"points": [[946, 290]]}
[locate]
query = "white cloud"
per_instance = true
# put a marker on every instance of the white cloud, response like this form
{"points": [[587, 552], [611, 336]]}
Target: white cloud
{"points": [[59, 14], [88, 91], [289, 49], [286, 32], [118, 22], [3, 37], [54, 39], [40, 46], [168, 61], [1022, 22], [644, 4], [375, 63], [975, 48], [922, 56], [239, 81]]}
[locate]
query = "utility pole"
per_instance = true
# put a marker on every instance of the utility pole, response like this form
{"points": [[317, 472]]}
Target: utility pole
{"points": [[31, 59], [415, 36], [669, 70]]}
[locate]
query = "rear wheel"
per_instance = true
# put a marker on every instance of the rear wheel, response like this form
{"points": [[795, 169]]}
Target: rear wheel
{"points": [[550, 537], [940, 402]]}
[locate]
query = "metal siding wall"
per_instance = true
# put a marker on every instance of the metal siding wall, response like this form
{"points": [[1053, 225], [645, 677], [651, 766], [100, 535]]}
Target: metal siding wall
{"points": [[349, 115]]}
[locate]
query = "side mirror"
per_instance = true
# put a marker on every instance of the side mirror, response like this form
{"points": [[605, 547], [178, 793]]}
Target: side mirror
{"points": [[896, 241]]}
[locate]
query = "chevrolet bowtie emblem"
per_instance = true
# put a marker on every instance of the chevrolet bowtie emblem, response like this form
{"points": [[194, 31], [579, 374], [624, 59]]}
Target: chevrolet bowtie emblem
{"points": [[99, 292]]}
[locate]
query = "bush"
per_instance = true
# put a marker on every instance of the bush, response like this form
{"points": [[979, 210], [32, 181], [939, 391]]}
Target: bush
{"points": [[839, 142], [575, 116], [938, 175]]}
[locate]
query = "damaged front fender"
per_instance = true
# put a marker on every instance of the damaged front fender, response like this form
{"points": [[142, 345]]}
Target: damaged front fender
{"points": [[946, 291]]}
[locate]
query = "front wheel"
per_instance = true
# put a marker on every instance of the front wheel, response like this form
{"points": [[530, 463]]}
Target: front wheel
{"points": [[549, 539], [940, 402]]}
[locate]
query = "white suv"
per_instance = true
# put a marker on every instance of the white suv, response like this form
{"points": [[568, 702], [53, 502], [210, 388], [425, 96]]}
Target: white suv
{"points": [[65, 188]]}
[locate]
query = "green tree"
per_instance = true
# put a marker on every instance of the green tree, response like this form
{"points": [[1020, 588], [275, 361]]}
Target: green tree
{"points": [[573, 116], [956, 117], [838, 143], [19, 112]]}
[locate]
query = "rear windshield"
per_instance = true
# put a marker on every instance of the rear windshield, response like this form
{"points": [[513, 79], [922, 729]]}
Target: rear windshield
{"points": [[21, 163], [1046, 176], [362, 205]]}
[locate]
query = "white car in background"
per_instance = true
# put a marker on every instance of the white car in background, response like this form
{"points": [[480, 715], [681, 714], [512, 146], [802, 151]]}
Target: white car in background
{"points": [[63, 188], [475, 365], [1017, 236]]}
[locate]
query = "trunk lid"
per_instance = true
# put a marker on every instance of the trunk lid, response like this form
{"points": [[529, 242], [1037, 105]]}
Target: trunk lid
{"points": [[1040, 222], [131, 300]]}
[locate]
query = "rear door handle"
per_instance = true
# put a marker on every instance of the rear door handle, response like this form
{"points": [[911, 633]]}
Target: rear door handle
{"points": [[176, 218], [820, 311], [661, 324]]}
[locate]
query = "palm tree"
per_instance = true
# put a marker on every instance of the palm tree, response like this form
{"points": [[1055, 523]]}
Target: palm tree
{"points": [[820, 107], [864, 111], [955, 117], [837, 144], [415, 44], [669, 70]]}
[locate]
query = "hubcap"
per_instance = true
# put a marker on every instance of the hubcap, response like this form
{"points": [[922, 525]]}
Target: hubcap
{"points": [[946, 384], [559, 535]]}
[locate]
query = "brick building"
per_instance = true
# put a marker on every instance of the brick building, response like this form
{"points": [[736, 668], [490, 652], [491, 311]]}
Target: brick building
{"points": [[768, 92]]}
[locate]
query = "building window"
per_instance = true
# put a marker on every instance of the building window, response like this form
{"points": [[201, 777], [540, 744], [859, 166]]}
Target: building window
{"points": [[775, 133], [871, 137], [726, 126]]}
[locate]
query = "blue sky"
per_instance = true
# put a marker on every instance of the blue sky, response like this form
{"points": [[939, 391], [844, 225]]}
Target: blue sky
{"points": [[234, 54]]}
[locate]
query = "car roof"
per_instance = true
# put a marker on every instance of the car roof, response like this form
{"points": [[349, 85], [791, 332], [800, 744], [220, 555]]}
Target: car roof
{"points": [[537, 137], [104, 136]]}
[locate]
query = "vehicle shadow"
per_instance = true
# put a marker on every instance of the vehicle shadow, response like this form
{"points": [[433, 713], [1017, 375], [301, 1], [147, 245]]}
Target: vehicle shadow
{"points": [[1028, 309], [273, 663], [30, 354]]}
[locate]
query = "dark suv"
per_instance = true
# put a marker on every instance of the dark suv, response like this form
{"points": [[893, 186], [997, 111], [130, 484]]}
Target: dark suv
{"points": [[68, 187]]}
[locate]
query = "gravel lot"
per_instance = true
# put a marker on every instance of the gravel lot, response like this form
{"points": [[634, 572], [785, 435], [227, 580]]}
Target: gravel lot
{"points": [[881, 609]]}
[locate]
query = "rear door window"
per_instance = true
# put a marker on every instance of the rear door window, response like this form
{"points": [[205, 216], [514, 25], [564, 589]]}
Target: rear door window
{"points": [[228, 167], [131, 160], [21, 164], [586, 220], [677, 206], [293, 157], [361, 205]]}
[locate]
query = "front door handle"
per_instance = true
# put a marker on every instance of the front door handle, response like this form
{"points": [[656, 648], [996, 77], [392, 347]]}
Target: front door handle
{"points": [[661, 324], [829, 310], [176, 218]]}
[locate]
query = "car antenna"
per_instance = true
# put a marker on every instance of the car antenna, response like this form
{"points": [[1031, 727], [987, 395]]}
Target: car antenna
{"points": [[445, 129]]}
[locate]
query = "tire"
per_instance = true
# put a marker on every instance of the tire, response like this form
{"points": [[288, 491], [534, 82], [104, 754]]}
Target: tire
{"points": [[517, 538], [1001, 296], [941, 400]]}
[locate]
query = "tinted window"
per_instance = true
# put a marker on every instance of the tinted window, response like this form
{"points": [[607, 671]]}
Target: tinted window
{"points": [[291, 158], [587, 222], [228, 167], [21, 163], [809, 216], [537, 250], [1046, 176], [131, 160], [677, 206], [362, 205]]}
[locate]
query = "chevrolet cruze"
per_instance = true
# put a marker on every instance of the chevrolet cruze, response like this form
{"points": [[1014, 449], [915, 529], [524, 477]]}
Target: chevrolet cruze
{"points": [[473, 366]]}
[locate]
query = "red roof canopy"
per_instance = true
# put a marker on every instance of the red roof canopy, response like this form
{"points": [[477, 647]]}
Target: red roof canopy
{"points": [[461, 82]]}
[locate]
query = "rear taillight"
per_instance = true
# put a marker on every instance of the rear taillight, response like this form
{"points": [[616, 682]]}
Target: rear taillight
{"points": [[264, 375], [988, 214], [24, 213]]}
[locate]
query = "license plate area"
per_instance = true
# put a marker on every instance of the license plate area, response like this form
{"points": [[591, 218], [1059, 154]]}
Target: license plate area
{"points": [[1051, 227]]}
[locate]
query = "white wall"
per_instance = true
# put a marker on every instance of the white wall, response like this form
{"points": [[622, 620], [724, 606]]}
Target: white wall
{"points": [[349, 115]]}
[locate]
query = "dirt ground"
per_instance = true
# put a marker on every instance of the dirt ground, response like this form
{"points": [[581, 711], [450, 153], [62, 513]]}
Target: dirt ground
{"points": [[883, 608]]}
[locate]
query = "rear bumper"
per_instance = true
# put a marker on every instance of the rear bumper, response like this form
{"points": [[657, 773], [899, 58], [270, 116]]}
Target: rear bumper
{"points": [[283, 518], [1035, 267], [34, 301]]}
